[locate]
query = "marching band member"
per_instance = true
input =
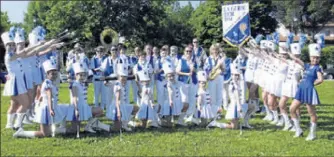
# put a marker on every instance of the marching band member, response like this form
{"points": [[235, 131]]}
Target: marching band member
{"points": [[48, 113], [173, 104], [151, 60], [160, 78], [199, 54], [237, 97], [277, 76], [15, 86], [78, 56], [156, 52], [306, 92], [174, 54], [143, 64], [26, 62], [109, 69], [147, 110], [227, 78], [121, 111], [99, 87], [186, 70], [215, 64], [79, 110], [290, 85], [204, 110]]}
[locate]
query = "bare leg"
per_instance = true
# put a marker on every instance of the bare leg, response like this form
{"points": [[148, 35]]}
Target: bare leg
{"points": [[294, 106]]}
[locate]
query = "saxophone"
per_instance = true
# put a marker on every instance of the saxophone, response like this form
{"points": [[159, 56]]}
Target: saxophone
{"points": [[217, 70]]}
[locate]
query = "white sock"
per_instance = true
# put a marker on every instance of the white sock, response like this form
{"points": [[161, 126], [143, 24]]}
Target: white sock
{"points": [[19, 119], [22, 133], [296, 123], [275, 114], [313, 127], [285, 117], [10, 119]]}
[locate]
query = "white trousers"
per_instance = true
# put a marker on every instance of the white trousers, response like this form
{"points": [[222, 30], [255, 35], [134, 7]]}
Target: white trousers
{"points": [[99, 94], [188, 95], [225, 95], [216, 87]]}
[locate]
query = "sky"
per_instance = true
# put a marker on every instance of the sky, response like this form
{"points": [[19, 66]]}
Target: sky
{"points": [[16, 9]]}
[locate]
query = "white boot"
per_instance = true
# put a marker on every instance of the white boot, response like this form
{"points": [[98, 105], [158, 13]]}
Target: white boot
{"points": [[89, 125], [125, 126], [19, 119], [102, 126], [181, 119], [10, 121], [275, 117], [269, 116], [22, 133], [287, 122], [280, 121], [312, 135], [299, 131]]}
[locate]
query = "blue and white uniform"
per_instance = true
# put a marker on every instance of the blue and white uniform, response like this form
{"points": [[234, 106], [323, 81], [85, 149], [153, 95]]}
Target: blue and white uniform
{"points": [[278, 78], [237, 97], [99, 87], [290, 85], [189, 84], [200, 56], [146, 66], [85, 111], [125, 108], [205, 106], [166, 109], [227, 78], [306, 92], [151, 60], [215, 86], [43, 115], [16, 84], [146, 110], [109, 68], [251, 68], [160, 79], [258, 71]]}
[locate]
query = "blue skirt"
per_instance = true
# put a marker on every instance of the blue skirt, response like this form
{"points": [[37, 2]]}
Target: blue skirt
{"points": [[307, 94]]}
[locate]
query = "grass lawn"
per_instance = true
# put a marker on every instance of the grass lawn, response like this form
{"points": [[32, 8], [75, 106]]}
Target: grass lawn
{"points": [[263, 140]]}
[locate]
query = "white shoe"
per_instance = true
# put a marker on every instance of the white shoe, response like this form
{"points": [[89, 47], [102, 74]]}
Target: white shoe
{"points": [[293, 129], [287, 127], [132, 124], [189, 119], [310, 137], [299, 133], [18, 133], [196, 121], [280, 122]]}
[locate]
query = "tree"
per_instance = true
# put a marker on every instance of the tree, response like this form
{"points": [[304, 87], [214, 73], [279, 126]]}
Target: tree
{"points": [[5, 23], [303, 14]]}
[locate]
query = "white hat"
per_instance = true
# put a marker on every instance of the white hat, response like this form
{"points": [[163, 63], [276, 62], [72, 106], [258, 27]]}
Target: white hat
{"points": [[295, 48], [263, 44], [33, 39], [234, 69], [271, 45], [168, 68], [282, 48], [79, 67], [19, 35], [7, 38], [143, 75], [201, 76], [314, 50], [122, 69], [49, 65]]}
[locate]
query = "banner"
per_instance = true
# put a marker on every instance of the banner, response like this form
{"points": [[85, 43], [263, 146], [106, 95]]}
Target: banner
{"points": [[236, 24]]}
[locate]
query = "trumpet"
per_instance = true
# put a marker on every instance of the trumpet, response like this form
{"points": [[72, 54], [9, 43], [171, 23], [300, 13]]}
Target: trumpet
{"points": [[217, 70]]}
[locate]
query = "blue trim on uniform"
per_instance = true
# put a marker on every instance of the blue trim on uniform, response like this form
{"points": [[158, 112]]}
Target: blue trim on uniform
{"points": [[185, 69], [235, 111], [16, 90], [116, 118], [46, 114], [160, 76], [147, 112], [25, 81], [227, 72]]}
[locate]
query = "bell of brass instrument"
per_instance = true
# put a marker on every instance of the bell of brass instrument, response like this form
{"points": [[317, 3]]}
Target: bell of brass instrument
{"points": [[108, 37]]}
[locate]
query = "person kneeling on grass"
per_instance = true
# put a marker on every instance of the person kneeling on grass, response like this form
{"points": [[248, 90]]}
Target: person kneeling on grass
{"points": [[204, 110], [48, 113], [121, 112], [147, 110], [79, 110], [237, 104]]}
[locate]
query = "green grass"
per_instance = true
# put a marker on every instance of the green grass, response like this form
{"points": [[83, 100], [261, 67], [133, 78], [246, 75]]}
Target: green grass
{"points": [[264, 140]]}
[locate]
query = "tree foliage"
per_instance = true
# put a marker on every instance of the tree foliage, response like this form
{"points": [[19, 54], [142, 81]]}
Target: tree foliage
{"points": [[5, 23]]}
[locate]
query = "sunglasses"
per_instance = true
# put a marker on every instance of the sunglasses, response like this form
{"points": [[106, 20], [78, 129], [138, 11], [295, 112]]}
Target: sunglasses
{"points": [[195, 42], [113, 49]]}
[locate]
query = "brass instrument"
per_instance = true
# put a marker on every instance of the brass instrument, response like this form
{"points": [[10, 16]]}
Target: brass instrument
{"points": [[109, 37], [216, 71]]}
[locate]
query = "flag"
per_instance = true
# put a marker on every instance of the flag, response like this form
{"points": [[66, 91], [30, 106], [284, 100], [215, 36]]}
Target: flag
{"points": [[320, 40]]}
